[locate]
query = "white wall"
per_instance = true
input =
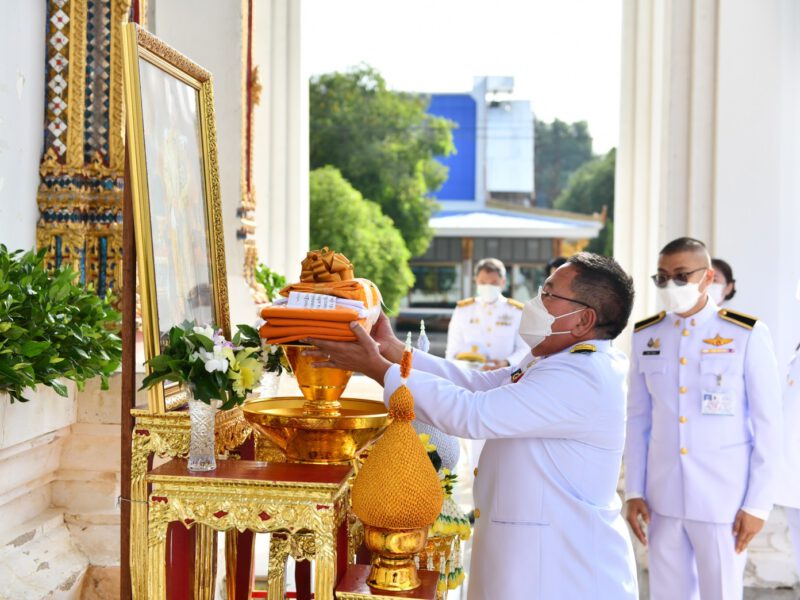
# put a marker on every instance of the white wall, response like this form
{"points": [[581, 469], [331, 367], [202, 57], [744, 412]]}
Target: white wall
{"points": [[22, 71], [280, 152]]}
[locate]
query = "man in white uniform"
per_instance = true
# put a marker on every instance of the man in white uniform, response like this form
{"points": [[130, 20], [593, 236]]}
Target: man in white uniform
{"points": [[489, 323], [788, 492], [704, 433], [547, 519]]}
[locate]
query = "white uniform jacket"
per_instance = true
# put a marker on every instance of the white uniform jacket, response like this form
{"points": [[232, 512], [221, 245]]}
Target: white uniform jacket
{"points": [[704, 416], [490, 328], [788, 490], [548, 522]]}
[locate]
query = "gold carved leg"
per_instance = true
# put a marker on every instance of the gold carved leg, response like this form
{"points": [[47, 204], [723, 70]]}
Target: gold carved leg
{"points": [[325, 561], [276, 570], [205, 561], [138, 536], [156, 573]]}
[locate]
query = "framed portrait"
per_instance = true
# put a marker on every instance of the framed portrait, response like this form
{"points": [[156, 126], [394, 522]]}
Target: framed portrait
{"points": [[174, 183]]}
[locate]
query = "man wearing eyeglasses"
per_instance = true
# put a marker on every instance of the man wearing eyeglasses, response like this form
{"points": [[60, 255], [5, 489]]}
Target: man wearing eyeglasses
{"points": [[703, 435], [548, 523]]}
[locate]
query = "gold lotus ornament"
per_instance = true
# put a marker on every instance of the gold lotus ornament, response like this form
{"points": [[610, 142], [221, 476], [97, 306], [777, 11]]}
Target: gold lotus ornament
{"points": [[393, 552]]}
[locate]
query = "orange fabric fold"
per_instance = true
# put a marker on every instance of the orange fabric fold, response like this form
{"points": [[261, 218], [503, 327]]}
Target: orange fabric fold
{"points": [[282, 335], [284, 312], [351, 289]]}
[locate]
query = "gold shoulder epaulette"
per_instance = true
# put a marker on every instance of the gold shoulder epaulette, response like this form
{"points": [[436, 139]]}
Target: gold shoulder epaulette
{"points": [[644, 323], [740, 319], [465, 302], [583, 349], [515, 303]]}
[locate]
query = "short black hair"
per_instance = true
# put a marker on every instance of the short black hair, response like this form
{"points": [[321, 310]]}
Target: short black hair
{"points": [[683, 244], [602, 284], [553, 264], [727, 272], [491, 265]]}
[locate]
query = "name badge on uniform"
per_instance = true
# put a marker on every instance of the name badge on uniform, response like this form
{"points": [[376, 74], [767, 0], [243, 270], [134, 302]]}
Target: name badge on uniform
{"points": [[717, 403]]}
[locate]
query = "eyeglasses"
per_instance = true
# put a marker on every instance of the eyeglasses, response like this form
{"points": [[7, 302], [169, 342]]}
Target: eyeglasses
{"points": [[680, 279], [545, 294]]}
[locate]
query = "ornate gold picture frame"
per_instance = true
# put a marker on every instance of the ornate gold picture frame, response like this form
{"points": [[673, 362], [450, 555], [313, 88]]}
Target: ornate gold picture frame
{"points": [[174, 179]]}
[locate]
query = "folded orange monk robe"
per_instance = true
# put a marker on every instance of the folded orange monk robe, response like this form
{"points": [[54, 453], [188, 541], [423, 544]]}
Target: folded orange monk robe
{"points": [[329, 273], [284, 312]]}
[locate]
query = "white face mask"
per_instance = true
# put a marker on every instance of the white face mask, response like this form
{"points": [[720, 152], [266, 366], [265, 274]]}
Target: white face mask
{"points": [[489, 293], [536, 323], [679, 298], [717, 292]]}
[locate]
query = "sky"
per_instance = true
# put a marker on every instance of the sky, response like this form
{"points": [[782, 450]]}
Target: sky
{"points": [[564, 55]]}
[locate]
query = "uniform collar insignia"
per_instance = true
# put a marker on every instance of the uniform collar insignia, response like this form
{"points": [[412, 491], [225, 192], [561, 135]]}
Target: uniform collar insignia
{"points": [[583, 348], [718, 341], [654, 343]]}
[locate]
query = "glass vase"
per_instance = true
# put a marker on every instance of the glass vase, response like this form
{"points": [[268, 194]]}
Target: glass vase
{"points": [[202, 417]]}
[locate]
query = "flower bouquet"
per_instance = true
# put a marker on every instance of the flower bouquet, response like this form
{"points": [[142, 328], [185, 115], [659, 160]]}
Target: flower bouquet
{"points": [[219, 373]]}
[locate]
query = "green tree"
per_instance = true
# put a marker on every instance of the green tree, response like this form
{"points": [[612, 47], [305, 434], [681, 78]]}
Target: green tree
{"points": [[384, 144], [559, 149], [344, 221], [590, 189]]}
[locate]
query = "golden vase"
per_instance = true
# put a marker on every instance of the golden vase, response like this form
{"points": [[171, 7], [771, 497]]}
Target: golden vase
{"points": [[321, 387], [393, 552]]}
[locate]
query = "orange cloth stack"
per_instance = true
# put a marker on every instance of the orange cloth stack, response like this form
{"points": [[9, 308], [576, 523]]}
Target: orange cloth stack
{"points": [[398, 488], [322, 272]]}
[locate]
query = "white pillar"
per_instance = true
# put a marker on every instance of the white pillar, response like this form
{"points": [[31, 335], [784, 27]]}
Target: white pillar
{"points": [[22, 46], [280, 152]]}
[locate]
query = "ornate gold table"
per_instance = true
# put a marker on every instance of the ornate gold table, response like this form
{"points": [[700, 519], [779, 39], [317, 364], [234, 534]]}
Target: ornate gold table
{"points": [[167, 435], [245, 495]]}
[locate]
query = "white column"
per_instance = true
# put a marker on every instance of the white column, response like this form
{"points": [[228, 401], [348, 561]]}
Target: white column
{"points": [[22, 69], [280, 153]]}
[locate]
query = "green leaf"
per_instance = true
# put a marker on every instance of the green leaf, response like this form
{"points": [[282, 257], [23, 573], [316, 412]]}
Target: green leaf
{"points": [[59, 388], [32, 348]]}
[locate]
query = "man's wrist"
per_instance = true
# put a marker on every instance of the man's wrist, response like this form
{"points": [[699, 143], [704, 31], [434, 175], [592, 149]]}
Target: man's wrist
{"points": [[394, 353], [377, 369]]}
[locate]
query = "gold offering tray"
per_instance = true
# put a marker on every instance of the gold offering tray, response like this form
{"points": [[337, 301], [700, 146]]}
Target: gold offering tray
{"points": [[318, 438]]}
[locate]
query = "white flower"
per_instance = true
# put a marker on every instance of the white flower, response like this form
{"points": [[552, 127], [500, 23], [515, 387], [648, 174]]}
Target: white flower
{"points": [[214, 361], [206, 331]]}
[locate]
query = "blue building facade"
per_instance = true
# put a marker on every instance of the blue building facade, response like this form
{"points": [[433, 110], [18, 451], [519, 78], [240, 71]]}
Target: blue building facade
{"points": [[461, 109]]}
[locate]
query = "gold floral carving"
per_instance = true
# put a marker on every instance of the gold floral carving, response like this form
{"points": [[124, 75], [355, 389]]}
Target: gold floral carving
{"points": [[298, 510], [168, 53], [116, 107], [76, 90]]}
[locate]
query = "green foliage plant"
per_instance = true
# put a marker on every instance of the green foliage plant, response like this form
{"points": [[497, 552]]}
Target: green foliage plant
{"points": [[51, 328], [272, 281], [384, 143], [341, 218]]}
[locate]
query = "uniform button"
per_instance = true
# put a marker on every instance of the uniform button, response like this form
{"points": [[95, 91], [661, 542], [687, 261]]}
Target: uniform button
{"points": [[682, 389], [475, 472], [678, 323], [791, 382], [693, 323], [684, 451], [477, 513], [682, 419], [683, 360], [488, 343], [685, 332]]}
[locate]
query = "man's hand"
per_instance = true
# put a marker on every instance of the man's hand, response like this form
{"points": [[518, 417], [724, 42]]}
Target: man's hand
{"points": [[491, 365], [363, 355], [745, 528], [391, 348], [636, 508]]}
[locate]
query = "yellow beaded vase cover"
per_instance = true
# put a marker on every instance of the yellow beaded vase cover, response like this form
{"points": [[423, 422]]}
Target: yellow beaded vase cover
{"points": [[398, 488]]}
